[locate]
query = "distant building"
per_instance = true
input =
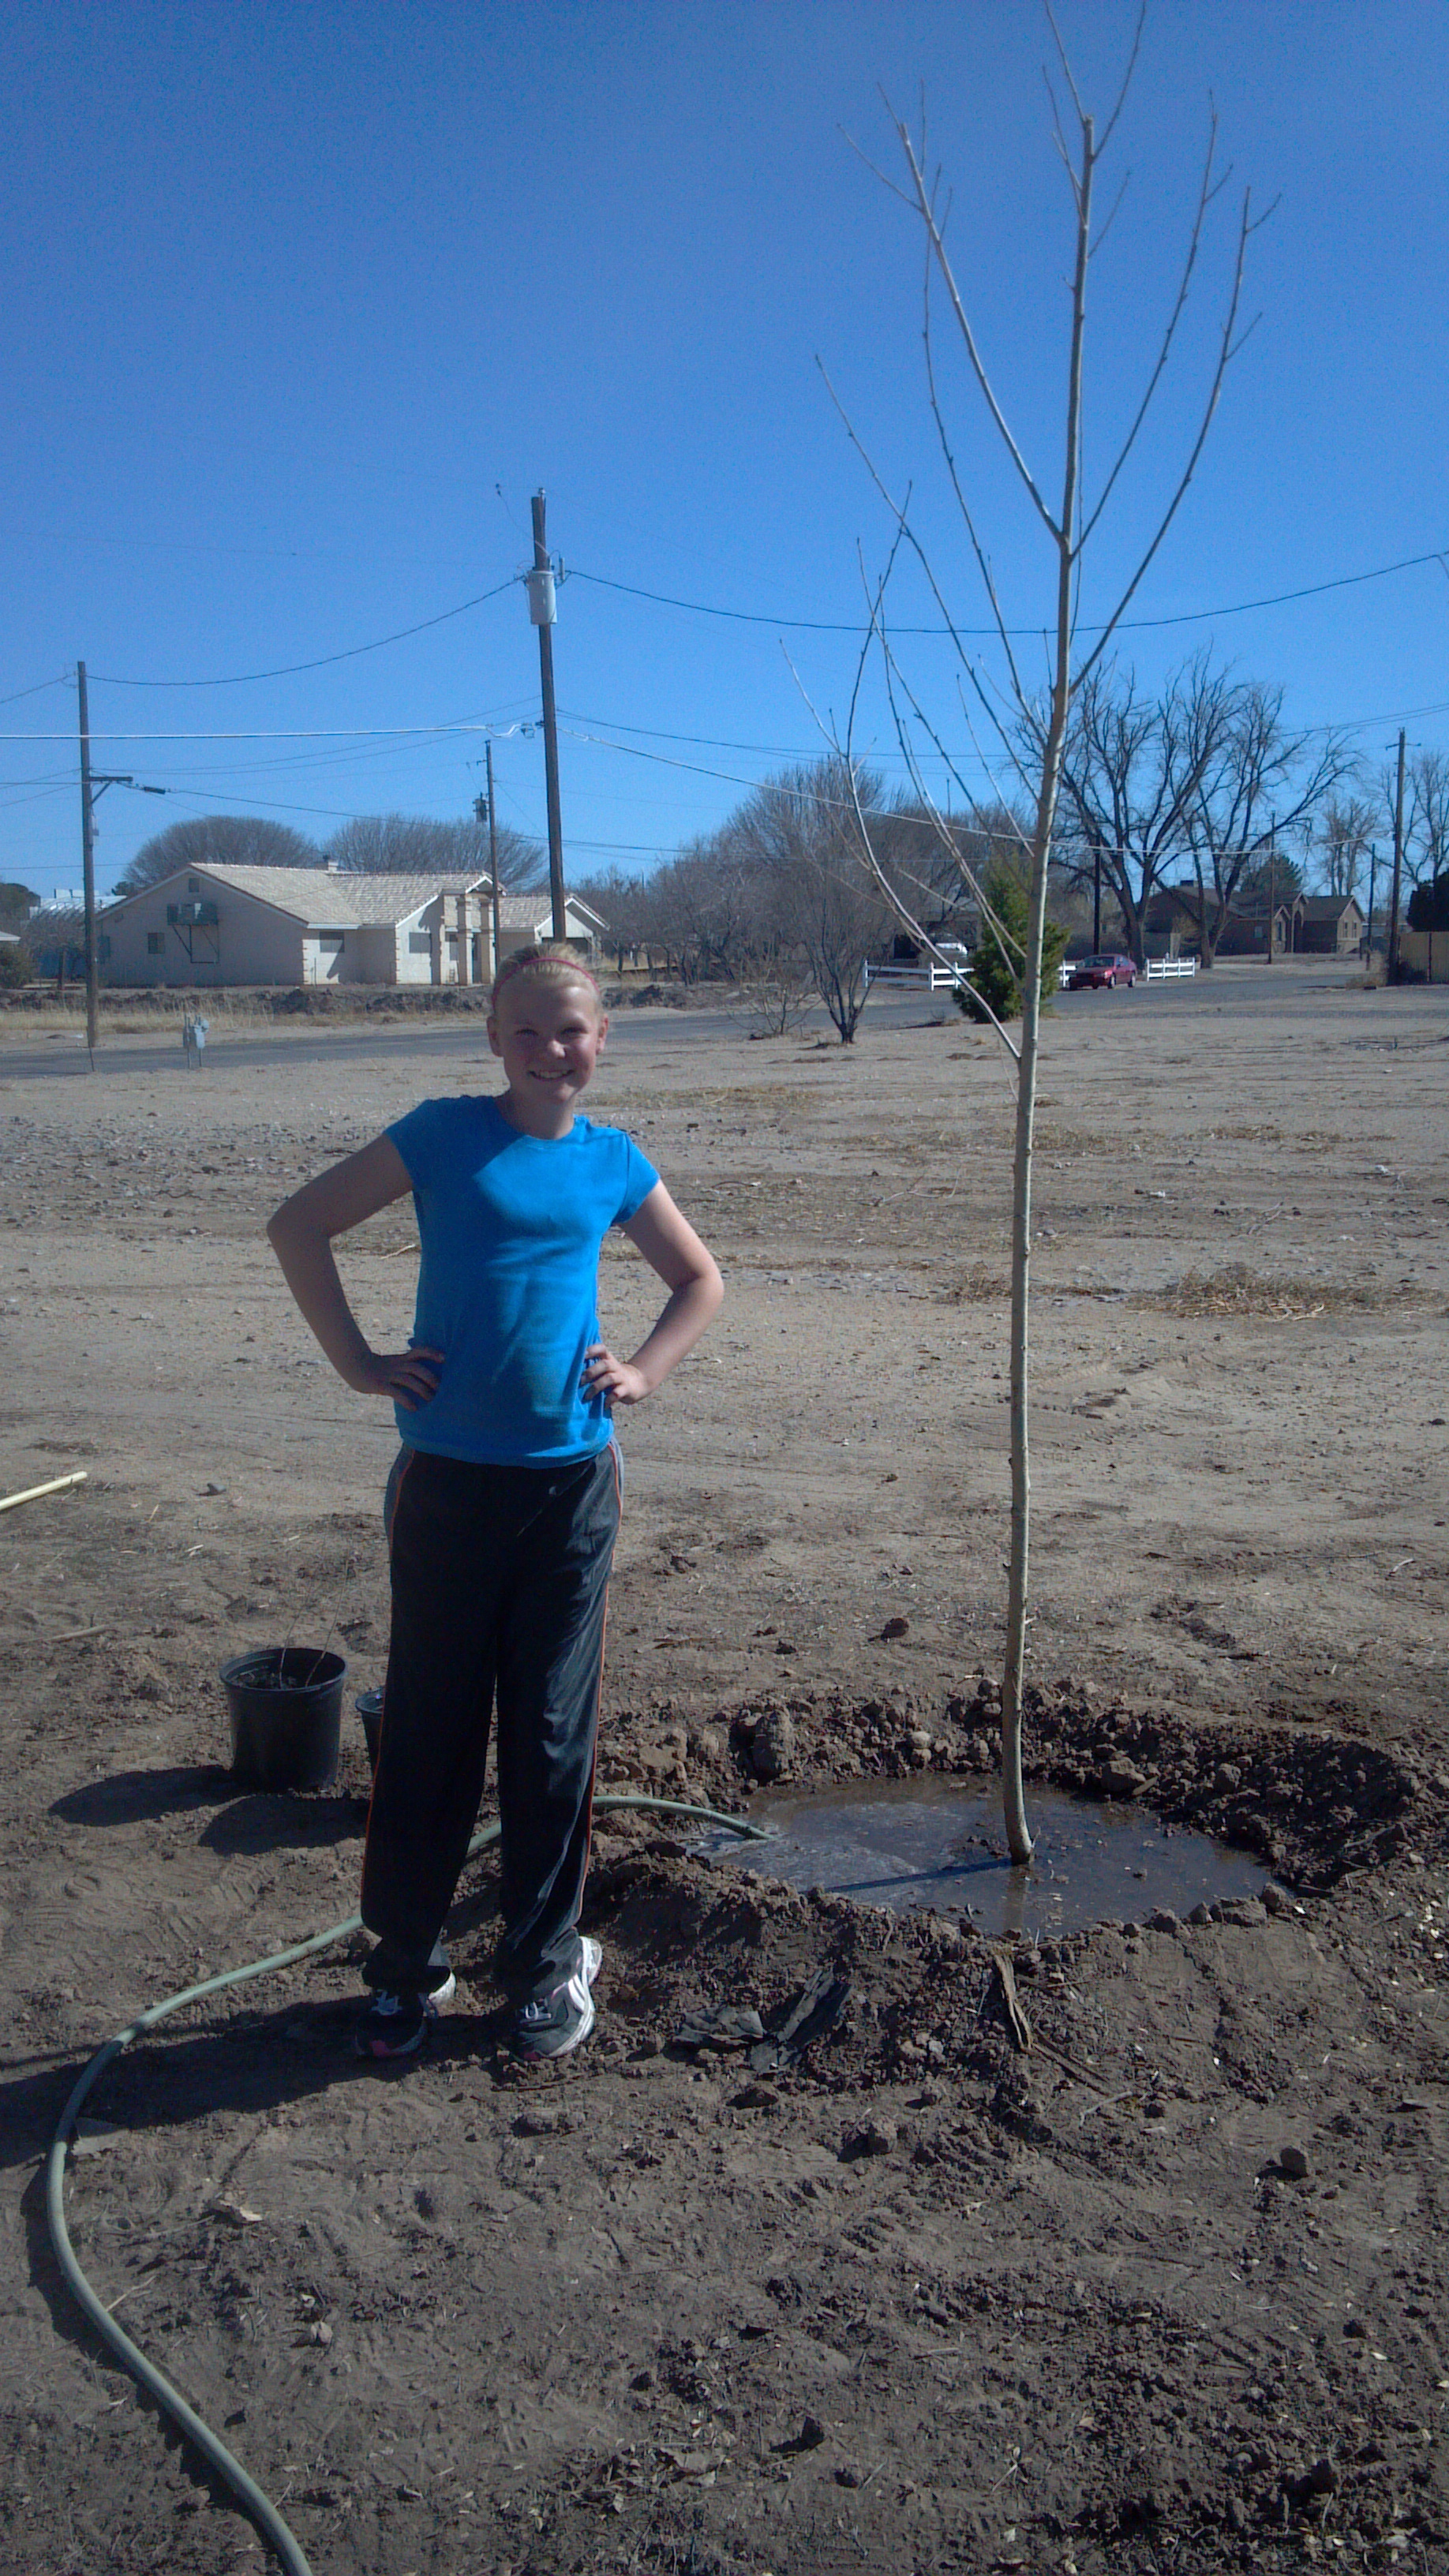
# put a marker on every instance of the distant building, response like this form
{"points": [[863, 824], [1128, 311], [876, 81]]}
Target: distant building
{"points": [[1329, 925], [1311, 925], [212, 925], [1245, 931], [54, 938], [1169, 923]]}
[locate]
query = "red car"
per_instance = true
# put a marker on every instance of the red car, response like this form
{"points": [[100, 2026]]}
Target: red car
{"points": [[1091, 972]]}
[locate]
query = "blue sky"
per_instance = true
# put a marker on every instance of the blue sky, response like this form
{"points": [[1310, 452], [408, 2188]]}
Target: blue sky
{"points": [[305, 301]]}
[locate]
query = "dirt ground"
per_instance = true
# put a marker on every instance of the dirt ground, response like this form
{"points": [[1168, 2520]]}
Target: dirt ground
{"points": [[1163, 2290]]}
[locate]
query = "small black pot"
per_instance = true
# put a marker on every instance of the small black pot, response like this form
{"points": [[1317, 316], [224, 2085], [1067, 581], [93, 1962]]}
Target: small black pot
{"points": [[368, 1705], [286, 1716]]}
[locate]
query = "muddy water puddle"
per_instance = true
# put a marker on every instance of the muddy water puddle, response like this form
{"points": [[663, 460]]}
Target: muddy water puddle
{"points": [[941, 1844]]}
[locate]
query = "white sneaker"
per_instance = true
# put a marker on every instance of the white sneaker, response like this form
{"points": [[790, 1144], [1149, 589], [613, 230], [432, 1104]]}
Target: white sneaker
{"points": [[554, 2024], [447, 1984]]}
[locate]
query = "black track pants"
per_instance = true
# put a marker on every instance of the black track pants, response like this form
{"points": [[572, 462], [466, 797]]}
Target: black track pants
{"points": [[499, 1587]]}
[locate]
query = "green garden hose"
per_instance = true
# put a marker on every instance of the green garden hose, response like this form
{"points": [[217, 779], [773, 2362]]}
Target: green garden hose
{"points": [[262, 2511]]}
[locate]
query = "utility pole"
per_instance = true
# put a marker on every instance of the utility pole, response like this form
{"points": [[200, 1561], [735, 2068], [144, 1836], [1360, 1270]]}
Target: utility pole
{"points": [[1373, 872], [543, 610], [88, 862], [1272, 880], [493, 858], [1393, 964], [1096, 901]]}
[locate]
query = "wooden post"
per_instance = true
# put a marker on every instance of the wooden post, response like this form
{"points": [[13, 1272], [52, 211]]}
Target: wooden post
{"points": [[493, 863], [1393, 961], [550, 739], [88, 867]]}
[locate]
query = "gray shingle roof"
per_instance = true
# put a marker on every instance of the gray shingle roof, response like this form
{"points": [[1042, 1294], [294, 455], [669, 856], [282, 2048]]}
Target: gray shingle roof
{"points": [[337, 899], [526, 912], [1329, 907], [535, 911], [330, 899]]}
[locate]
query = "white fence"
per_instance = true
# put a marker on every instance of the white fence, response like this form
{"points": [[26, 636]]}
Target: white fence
{"points": [[1158, 970], [929, 978], [925, 978]]}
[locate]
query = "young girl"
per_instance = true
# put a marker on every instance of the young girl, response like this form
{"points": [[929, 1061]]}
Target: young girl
{"points": [[503, 1506]]}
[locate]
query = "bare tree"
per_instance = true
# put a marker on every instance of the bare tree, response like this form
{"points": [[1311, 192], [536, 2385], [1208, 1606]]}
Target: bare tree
{"points": [[1067, 526], [218, 840], [622, 904], [802, 833], [1190, 792], [664, 924], [772, 991], [1132, 768], [417, 845], [1426, 816], [1265, 784], [710, 893], [1343, 840]]}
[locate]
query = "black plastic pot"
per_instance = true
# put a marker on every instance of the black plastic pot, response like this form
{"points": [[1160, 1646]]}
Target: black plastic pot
{"points": [[286, 1716], [369, 1708]]}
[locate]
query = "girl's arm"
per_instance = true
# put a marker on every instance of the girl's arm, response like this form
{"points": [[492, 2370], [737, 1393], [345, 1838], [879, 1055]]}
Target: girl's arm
{"points": [[301, 1235], [671, 1247]]}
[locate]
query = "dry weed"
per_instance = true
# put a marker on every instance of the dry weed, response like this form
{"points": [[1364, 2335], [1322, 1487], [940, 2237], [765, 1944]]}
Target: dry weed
{"points": [[1237, 1290]]}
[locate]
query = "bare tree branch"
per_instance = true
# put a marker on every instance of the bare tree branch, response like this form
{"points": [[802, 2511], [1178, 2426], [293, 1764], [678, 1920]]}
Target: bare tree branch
{"points": [[902, 911], [1043, 721], [1228, 350], [1133, 51], [1194, 243], [1112, 213], [983, 563], [928, 218], [898, 512]]}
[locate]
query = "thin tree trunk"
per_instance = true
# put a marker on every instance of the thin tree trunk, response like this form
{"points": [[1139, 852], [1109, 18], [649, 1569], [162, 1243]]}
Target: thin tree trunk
{"points": [[1068, 544], [1018, 1833]]}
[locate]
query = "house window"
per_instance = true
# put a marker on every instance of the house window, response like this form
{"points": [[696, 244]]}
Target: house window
{"points": [[331, 942], [155, 943], [193, 885], [420, 943], [103, 949]]}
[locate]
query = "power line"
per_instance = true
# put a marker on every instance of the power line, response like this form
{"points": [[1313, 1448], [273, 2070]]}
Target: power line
{"points": [[262, 733], [885, 759], [286, 670], [37, 795], [35, 688], [661, 759], [698, 741], [854, 626], [264, 804]]}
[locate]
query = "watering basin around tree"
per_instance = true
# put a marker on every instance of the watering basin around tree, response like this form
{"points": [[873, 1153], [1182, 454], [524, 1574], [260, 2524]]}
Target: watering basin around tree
{"points": [[941, 1844]]}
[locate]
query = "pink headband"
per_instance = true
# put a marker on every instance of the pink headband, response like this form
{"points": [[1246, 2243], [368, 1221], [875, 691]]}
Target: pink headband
{"points": [[528, 960]]}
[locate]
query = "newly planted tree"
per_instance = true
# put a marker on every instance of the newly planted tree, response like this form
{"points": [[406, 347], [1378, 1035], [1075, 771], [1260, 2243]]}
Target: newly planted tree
{"points": [[1031, 728]]}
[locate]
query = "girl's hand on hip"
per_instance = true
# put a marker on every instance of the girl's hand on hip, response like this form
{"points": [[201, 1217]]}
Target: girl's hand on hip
{"points": [[618, 1381], [408, 1378]]}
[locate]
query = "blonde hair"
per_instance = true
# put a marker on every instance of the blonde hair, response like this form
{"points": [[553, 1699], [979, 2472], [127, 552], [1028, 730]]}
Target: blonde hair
{"points": [[551, 965]]}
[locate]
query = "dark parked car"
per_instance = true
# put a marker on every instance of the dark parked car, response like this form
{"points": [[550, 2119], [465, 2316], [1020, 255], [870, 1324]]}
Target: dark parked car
{"points": [[1090, 972]]}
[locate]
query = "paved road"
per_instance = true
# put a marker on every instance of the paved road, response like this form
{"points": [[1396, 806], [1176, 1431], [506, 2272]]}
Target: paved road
{"points": [[630, 1032], [1248, 988]]}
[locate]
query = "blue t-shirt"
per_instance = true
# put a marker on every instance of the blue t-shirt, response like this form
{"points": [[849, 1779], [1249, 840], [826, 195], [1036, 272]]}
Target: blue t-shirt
{"points": [[508, 1287]]}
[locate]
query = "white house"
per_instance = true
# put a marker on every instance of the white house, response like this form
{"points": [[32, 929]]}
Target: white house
{"points": [[211, 925], [525, 920]]}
